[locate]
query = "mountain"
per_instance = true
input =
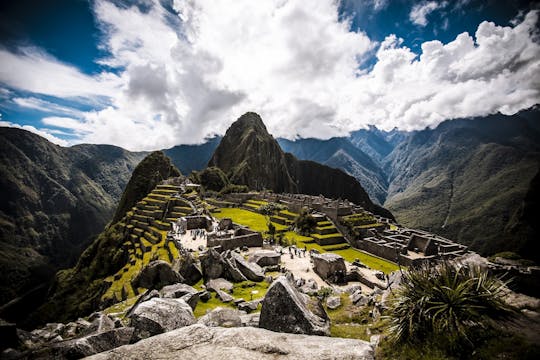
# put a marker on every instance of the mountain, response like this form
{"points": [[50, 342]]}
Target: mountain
{"points": [[151, 171], [188, 158], [250, 156], [78, 290], [467, 179], [340, 153], [53, 201], [374, 142]]}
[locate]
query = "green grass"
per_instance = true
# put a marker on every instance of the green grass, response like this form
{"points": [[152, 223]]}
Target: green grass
{"points": [[247, 218], [351, 254]]}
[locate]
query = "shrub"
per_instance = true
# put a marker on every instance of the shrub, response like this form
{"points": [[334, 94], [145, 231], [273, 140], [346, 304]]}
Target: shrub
{"points": [[447, 301], [305, 223]]}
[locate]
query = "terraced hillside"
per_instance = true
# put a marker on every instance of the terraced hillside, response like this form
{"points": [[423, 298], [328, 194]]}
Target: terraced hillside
{"points": [[145, 229]]}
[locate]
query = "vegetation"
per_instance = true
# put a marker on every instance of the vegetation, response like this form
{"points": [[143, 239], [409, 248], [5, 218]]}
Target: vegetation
{"points": [[247, 218], [233, 188], [305, 223], [211, 178], [452, 304], [153, 169]]}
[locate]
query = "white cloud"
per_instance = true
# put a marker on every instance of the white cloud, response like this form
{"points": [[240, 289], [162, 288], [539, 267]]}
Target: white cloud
{"points": [[182, 77], [35, 71], [41, 132], [419, 12], [45, 106]]}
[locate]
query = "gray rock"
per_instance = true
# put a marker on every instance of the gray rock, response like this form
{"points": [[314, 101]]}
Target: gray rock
{"points": [[284, 309], [85, 346], [232, 272], [157, 315], [250, 319], [212, 264], [330, 267], [101, 322], [155, 275], [223, 317], [192, 299], [333, 302], [265, 258], [223, 296], [242, 343], [176, 291], [359, 299], [248, 306], [204, 296], [219, 284], [187, 266], [251, 271]]}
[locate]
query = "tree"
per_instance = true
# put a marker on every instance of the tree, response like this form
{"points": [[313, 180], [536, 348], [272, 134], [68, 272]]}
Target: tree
{"points": [[305, 223]]}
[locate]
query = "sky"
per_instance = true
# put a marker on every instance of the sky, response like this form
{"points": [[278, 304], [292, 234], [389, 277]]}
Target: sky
{"points": [[151, 74]]}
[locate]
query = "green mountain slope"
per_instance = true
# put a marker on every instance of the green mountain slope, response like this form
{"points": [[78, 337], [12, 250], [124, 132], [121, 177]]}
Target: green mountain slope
{"points": [[79, 290], [53, 201], [467, 179]]}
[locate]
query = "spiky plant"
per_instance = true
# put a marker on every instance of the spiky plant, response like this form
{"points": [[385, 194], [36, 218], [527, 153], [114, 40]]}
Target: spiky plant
{"points": [[449, 300]]}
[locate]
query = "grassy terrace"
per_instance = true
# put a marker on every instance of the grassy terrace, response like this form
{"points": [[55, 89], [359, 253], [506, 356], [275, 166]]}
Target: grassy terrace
{"points": [[247, 218], [258, 222]]}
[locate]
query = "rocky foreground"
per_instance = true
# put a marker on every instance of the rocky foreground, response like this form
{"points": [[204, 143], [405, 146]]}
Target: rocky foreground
{"points": [[202, 342]]}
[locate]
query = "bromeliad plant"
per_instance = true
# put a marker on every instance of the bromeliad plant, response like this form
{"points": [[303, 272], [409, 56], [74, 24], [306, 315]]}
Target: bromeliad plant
{"points": [[448, 301]]}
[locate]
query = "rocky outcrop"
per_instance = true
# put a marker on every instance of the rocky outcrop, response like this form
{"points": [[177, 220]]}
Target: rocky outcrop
{"points": [[284, 309], [265, 258], [223, 317], [330, 267], [155, 275], [181, 291], [85, 346], [158, 315], [251, 271], [245, 343], [187, 266], [212, 264]]}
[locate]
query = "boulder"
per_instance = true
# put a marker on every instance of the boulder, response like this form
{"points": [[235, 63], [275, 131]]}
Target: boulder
{"points": [[158, 315], [223, 317], [85, 346], [251, 271], [204, 296], [155, 275], [192, 299], [232, 272], [242, 343], [223, 296], [212, 264], [100, 322], [187, 266], [333, 302], [219, 284], [176, 291], [359, 299], [250, 319], [248, 306], [284, 309], [265, 258], [225, 224], [330, 267]]}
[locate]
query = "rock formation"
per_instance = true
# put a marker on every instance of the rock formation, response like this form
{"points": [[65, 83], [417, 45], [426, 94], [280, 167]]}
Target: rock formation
{"points": [[284, 309]]}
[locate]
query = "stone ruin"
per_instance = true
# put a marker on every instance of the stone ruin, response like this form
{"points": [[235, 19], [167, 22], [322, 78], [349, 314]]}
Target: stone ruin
{"points": [[229, 236], [409, 247]]}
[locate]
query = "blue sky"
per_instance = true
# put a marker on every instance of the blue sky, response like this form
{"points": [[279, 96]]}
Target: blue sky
{"points": [[146, 75]]}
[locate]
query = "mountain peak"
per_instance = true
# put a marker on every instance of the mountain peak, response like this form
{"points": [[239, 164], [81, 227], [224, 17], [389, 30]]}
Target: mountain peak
{"points": [[249, 120]]}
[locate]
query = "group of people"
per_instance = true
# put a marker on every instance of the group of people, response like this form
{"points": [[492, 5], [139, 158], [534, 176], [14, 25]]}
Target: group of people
{"points": [[293, 250], [195, 233]]}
